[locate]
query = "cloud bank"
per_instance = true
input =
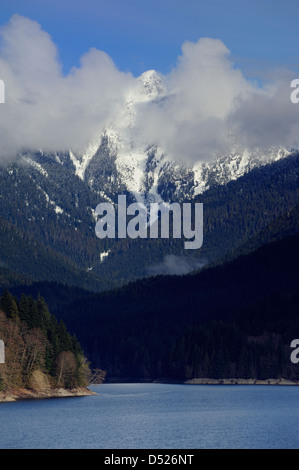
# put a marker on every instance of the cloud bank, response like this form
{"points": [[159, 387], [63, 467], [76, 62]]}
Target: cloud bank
{"points": [[175, 265], [211, 105], [214, 108], [45, 109]]}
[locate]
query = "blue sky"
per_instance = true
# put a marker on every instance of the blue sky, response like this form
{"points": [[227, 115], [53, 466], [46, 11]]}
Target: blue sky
{"points": [[140, 35]]}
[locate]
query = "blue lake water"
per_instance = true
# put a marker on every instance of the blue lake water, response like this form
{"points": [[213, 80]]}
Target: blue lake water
{"points": [[157, 416]]}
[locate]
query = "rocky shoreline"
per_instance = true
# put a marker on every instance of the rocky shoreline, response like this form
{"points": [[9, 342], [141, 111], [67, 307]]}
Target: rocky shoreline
{"points": [[39, 386], [232, 381], [24, 393], [33, 394]]}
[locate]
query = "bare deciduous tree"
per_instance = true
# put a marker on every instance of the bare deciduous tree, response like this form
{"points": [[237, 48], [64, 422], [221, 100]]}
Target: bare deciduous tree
{"points": [[65, 368], [97, 376], [35, 343]]}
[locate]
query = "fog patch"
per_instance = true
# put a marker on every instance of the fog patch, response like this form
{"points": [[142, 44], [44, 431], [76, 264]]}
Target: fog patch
{"points": [[175, 265]]}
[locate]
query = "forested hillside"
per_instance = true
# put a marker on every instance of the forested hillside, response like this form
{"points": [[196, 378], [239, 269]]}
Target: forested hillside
{"points": [[233, 320], [41, 243], [35, 341]]}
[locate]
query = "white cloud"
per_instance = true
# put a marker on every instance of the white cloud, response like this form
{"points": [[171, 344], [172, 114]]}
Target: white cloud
{"points": [[214, 106], [268, 118], [209, 100], [45, 109]]}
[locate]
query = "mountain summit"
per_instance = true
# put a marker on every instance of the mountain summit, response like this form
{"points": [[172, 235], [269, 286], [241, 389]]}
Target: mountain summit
{"points": [[123, 158], [151, 85]]}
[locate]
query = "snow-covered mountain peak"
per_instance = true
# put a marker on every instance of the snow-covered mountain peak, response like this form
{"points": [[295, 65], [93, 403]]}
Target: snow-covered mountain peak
{"points": [[152, 84], [121, 131], [149, 87], [123, 159]]}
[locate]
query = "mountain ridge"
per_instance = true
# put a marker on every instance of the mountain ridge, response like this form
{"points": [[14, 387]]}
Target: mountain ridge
{"points": [[233, 213]]}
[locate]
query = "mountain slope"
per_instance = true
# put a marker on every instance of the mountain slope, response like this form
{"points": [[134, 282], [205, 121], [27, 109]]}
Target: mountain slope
{"points": [[51, 216], [135, 331]]}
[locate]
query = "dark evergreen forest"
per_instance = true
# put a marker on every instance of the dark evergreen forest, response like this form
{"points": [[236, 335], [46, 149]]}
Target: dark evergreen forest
{"points": [[233, 320]]}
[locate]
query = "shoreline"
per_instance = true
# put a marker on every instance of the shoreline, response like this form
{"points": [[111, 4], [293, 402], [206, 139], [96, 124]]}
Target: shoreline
{"points": [[29, 394], [233, 381], [202, 381]]}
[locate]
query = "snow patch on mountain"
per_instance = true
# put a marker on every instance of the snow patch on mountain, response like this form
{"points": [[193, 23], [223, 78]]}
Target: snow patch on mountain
{"points": [[35, 164], [56, 208], [104, 255], [81, 163]]}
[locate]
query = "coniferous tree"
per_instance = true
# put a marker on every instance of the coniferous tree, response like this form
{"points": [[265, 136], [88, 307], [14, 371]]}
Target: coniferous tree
{"points": [[9, 305], [24, 308], [34, 319], [44, 314]]}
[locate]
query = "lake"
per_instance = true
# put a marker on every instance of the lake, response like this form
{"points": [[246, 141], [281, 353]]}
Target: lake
{"points": [[157, 416]]}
